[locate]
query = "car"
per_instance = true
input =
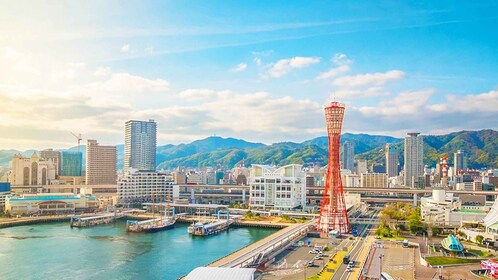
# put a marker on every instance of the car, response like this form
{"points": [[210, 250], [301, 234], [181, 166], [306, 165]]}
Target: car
{"points": [[317, 257], [349, 269], [351, 263], [310, 263], [314, 252]]}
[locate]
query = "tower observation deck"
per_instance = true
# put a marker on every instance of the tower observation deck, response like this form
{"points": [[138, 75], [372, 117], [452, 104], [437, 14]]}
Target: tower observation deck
{"points": [[333, 212]]}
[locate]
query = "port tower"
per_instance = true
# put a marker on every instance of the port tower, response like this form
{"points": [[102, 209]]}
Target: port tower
{"points": [[333, 212]]}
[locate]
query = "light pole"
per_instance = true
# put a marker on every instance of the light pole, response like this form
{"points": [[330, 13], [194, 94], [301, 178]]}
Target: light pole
{"points": [[380, 258]]}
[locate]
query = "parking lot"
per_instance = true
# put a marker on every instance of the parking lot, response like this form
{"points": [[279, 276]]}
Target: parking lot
{"points": [[292, 264]]}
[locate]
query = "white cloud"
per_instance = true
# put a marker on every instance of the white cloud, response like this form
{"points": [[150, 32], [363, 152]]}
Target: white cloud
{"points": [[149, 50], [239, 67], [341, 59], [258, 61], [370, 79], [405, 103], [334, 72], [125, 48], [197, 93], [284, 66], [484, 102], [19, 61], [102, 71], [125, 82], [347, 93]]}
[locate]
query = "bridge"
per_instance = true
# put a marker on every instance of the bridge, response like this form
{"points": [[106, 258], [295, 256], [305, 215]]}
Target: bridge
{"points": [[254, 254]]}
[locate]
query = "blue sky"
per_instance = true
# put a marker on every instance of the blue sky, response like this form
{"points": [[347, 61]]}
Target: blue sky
{"points": [[258, 70]]}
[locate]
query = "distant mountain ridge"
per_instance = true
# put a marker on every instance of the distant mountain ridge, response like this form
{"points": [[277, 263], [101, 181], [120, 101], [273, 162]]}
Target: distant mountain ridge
{"points": [[481, 146]]}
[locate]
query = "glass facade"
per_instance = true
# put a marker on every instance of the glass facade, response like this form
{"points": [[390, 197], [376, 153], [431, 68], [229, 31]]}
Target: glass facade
{"points": [[71, 163]]}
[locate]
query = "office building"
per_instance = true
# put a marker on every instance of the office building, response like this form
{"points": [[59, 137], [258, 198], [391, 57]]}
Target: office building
{"points": [[361, 166], [100, 164], [282, 188], [31, 171], [348, 156], [72, 163], [414, 162], [140, 145], [55, 156], [460, 161], [392, 160], [146, 186], [374, 180]]}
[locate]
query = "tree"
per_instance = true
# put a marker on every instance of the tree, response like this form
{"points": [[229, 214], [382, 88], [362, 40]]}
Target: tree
{"points": [[436, 231], [479, 239]]}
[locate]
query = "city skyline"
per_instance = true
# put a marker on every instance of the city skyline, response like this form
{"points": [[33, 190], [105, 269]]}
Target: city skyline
{"points": [[271, 68]]}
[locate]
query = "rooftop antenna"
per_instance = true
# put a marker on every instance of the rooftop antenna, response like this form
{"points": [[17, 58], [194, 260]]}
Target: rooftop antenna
{"points": [[78, 136]]}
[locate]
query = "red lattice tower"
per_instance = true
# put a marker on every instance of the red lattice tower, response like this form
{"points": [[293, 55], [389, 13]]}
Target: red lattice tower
{"points": [[333, 212]]}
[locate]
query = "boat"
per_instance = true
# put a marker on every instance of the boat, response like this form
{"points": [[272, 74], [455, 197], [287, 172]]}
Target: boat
{"points": [[204, 229], [155, 224]]}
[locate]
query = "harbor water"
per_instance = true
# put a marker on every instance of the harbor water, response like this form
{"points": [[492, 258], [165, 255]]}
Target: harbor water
{"points": [[56, 251]]}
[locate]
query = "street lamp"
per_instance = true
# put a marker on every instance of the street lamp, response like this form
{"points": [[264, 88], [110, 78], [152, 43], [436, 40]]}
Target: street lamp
{"points": [[380, 258]]}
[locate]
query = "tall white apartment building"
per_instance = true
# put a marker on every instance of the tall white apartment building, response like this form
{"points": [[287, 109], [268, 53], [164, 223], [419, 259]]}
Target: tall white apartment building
{"points": [[414, 158], [282, 188], [146, 186], [140, 145]]}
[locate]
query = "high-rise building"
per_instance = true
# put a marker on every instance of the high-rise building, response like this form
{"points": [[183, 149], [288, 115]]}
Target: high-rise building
{"points": [[55, 156], [392, 160], [460, 161], [140, 145], [348, 156], [281, 188], [414, 161], [31, 171], [72, 163], [100, 164]]}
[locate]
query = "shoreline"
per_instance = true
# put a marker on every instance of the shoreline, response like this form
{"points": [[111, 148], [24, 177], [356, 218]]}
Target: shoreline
{"points": [[13, 222]]}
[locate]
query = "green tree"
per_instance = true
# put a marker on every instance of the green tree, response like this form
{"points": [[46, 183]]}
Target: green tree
{"points": [[479, 239], [436, 231]]}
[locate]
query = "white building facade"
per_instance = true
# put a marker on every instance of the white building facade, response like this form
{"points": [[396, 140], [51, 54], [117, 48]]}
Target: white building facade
{"points": [[31, 171], [142, 186], [282, 188]]}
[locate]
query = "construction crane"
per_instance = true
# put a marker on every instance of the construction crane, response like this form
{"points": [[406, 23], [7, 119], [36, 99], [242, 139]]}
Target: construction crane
{"points": [[78, 136]]}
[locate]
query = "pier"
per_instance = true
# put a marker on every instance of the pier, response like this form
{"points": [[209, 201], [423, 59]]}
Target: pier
{"points": [[79, 221]]}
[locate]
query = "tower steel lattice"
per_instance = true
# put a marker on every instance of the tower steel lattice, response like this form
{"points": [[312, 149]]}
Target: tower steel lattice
{"points": [[333, 212]]}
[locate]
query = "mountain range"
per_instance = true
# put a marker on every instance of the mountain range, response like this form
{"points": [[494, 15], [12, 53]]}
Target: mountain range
{"points": [[481, 148]]}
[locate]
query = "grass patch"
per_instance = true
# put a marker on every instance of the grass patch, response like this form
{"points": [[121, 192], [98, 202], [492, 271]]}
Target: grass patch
{"points": [[480, 253], [434, 261], [399, 238]]}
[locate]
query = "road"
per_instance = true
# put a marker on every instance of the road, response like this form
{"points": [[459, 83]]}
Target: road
{"points": [[341, 273], [244, 257]]}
